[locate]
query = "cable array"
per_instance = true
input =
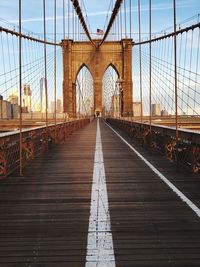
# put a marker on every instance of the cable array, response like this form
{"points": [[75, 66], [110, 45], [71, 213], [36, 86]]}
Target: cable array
{"points": [[33, 103], [84, 93], [163, 74], [111, 93]]}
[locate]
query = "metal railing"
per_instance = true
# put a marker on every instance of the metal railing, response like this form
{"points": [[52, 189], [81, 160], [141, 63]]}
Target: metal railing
{"points": [[34, 143], [185, 151]]}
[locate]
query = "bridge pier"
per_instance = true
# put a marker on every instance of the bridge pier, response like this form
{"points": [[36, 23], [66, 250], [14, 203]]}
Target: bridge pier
{"points": [[76, 55]]}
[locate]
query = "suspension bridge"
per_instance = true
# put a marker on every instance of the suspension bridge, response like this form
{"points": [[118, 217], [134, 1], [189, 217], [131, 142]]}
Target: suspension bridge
{"points": [[99, 137]]}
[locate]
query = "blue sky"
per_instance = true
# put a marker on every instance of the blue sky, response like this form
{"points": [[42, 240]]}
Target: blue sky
{"points": [[162, 14], [97, 12]]}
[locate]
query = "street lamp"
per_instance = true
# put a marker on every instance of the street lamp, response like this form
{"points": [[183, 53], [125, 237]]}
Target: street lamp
{"points": [[119, 82]]}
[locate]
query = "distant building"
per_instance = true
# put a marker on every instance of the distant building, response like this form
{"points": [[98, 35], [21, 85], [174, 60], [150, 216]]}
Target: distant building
{"points": [[13, 99], [5, 109], [27, 98], [164, 113], [42, 95], [14, 111], [155, 110], [115, 105], [37, 107], [52, 106], [59, 106], [137, 109]]}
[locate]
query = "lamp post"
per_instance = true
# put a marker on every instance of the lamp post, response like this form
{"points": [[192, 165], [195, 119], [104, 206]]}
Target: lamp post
{"points": [[120, 86]]}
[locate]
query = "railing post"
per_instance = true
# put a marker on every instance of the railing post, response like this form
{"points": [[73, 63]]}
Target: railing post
{"points": [[45, 71], [175, 73], [140, 55], [150, 65], [20, 85], [63, 19], [55, 69]]}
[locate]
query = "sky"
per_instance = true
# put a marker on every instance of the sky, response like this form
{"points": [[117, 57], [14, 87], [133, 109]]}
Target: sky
{"points": [[97, 13]]}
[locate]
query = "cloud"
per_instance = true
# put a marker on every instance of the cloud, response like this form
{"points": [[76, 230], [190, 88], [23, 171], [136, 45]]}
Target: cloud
{"points": [[51, 18], [144, 8]]}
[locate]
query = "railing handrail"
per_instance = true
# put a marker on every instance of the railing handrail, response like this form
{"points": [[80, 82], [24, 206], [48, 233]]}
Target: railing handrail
{"points": [[16, 132], [183, 132]]}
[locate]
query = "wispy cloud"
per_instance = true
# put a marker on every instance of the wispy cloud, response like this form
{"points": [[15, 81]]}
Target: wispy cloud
{"points": [[51, 18], [144, 8]]}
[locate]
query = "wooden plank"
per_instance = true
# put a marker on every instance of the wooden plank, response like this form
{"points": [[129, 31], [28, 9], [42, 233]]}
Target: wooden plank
{"points": [[44, 215], [151, 226]]}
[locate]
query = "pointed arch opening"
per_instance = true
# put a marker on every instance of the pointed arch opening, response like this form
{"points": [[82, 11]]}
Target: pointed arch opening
{"points": [[111, 92], [84, 92]]}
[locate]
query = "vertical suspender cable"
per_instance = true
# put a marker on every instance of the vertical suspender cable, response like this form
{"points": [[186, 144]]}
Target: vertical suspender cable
{"points": [[73, 16], [118, 26], [63, 19], [68, 18], [20, 84], [130, 18], [64, 39], [150, 111], [140, 55], [55, 69], [175, 72], [45, 70], [121, 27], [64, 36], [125, 18]]}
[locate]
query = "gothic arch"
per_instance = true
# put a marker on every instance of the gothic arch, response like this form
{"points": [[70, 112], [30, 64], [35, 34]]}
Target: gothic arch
{"points": [[82, 65], [97, 59], [114, 67]]}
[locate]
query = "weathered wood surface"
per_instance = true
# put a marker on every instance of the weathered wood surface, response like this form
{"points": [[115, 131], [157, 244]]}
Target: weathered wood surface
{"points": [[151, 226], [44, 215]]}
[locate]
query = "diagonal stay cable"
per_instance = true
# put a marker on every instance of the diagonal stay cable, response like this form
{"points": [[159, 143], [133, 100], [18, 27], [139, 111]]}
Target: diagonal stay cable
{"points": [[82, 20], [112, 19]]}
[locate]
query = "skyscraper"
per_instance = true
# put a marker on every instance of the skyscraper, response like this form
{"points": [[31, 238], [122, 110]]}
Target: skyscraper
{"points": [[155, 110], [59, 106], [27, 97], [13, 99], [42, 95]]}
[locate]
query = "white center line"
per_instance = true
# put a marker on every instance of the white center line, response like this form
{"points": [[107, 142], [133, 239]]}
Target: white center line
{"points": [[161, 176], [100, 252]]}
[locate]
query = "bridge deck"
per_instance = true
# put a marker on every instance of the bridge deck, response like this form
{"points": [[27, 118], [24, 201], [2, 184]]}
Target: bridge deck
{"points": [[44, 216]]}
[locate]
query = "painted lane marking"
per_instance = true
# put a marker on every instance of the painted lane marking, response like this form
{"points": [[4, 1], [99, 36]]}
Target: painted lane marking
{"points": [[161, 176], [100, 252]]}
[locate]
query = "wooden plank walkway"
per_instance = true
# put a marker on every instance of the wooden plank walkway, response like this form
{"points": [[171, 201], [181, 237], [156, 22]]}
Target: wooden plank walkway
{"points": [[151, 226], [44, 215]]}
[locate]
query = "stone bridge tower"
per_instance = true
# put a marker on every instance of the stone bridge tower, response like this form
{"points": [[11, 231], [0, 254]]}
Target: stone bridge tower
{"points": [[97, 59]]}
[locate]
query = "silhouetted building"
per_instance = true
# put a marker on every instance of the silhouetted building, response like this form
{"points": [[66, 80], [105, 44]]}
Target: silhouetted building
{"points": [[137, 109], [115, 105], [59, 106], [13, 99], [27, 98], [155, 110], [42, 95], [5, 109], [164, 113], [14, 111]]}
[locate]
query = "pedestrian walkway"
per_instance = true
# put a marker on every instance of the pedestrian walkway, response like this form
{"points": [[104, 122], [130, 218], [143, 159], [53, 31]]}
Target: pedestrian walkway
{"points": [[54, 216]]}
